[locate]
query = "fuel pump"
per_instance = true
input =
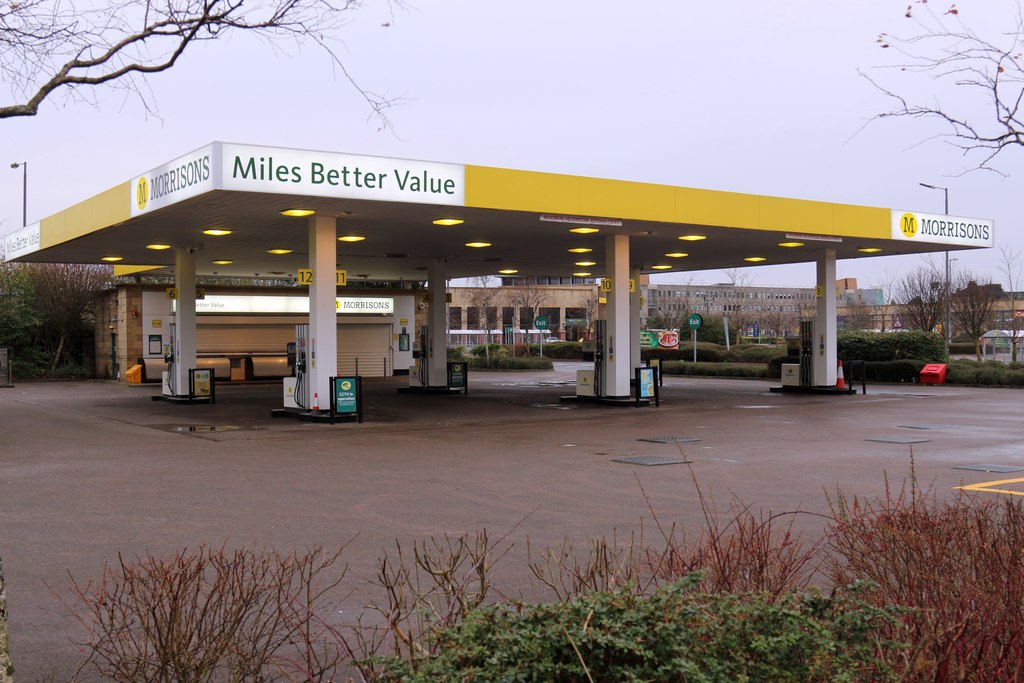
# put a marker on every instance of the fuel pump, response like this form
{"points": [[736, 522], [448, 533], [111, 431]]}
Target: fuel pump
{"points": [[168, 383], [807, 353], [600, 356], [296, 388], [425, 353]]}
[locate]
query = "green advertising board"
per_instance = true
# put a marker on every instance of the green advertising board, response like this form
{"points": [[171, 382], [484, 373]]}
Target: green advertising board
{"points": [[345, 395]]}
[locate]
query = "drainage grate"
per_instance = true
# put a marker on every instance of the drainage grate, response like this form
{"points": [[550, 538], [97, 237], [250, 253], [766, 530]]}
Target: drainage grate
{"points": [[897, 439], [192, 429], [669, 439], [927, 427], [1001, 469], [651, 460]]}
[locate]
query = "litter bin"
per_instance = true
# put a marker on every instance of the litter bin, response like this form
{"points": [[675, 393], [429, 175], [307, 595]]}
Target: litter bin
{"points": [[933, 373]]}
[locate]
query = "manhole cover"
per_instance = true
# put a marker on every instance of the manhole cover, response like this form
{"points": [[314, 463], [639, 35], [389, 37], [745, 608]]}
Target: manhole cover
{"points": [[669, 439], [926, 426], [897, 439], [1001, 469], [651, 460]]}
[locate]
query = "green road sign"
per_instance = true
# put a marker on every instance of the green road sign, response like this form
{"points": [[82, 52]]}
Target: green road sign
{"points": [[540, 322], [345, 395], [695, 321]]}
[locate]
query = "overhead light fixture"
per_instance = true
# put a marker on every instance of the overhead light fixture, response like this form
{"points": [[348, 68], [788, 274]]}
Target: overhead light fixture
{"points": [[677, 254], [585, 264], [351, 238], [584, 231], [449, 221], [790, 245], [217, 232], [222, 262], [580, 250], [158, 247], [660, 267], [869, 250], [508, 271], [478, 245], [112, 259], [693, 238], [279, 252], [581, 274], [755, 259], [298, 213]]}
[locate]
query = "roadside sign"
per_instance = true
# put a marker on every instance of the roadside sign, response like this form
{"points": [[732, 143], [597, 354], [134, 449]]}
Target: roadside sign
{"points": [[345, 399], [897, 321], [540, 322], [695, 322]]}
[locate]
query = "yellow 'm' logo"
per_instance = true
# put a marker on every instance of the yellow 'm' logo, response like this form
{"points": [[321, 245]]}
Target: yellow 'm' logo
{"points": [[142, 194], [908, 224]]}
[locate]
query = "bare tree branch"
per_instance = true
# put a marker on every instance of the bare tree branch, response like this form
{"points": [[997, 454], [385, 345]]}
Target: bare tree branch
{"points": [[966, 70], [51, 45]]}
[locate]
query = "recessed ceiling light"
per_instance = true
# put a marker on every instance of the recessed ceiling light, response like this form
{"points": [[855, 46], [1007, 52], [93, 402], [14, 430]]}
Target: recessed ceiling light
{"points": [[298, 213], [755, 259], [580, 250], [279, 252], [869, 250], [478, 245], [693, 238], [351, 238], [112, 259], [661, 267], [158, 247], [581, 274], [222, 262], [216, 232], [791, 244], [508, 271], [676, 254], [585, 264], [584, 231], [448, 221]]}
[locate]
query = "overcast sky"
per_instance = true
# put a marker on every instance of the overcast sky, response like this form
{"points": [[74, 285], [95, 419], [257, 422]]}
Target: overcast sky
{"points": [[746, 96]]}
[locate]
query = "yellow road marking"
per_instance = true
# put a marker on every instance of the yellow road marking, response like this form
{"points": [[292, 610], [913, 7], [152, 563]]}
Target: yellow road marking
{"points": [[988, 486]]}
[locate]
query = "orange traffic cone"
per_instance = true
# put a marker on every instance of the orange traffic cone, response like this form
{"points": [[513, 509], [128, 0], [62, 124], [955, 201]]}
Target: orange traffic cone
{"points": [[840, 381], [316, 401]]}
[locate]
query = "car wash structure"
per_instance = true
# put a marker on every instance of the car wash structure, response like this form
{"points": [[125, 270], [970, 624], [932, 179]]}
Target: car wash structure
{"points": [[329, 218]]}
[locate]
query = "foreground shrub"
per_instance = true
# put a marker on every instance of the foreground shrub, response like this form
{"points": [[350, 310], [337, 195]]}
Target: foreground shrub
{"points": [[888, 346], [673, 634], [741, 370], [956, 564], [211, 615], [985, 373]]}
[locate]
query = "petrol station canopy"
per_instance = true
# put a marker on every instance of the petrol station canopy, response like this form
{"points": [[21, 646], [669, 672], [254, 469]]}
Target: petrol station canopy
{"points": [[479, 220]]}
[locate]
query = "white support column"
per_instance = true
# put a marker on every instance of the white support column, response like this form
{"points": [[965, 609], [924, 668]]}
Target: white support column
{"points": [[184, 318], [617, 314], [825, 321], [323, 311], [437, 319], [635, 305]]}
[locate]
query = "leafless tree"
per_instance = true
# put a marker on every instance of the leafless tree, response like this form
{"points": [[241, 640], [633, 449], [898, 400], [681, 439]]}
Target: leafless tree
{"points": [[920, 296], [972, 305], [65, 296], [966, 70], [1010, 266], [526, 301], [484, 297], [737, 309], [48, 46]]}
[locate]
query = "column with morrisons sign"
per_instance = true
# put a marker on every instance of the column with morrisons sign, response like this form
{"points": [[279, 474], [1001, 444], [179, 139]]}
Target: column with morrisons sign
{"points": [[942, 229], [247, 168]]}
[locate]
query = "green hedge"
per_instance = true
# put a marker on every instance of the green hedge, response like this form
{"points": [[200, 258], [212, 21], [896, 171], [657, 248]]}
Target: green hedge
{"points": [[886, 346], [674, 634], [985, 373], [963, 348], [742, 370], [509, 363]]}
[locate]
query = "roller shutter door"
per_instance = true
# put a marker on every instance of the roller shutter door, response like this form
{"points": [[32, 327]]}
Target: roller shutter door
{"points": [[370, 344], [244, 338]]}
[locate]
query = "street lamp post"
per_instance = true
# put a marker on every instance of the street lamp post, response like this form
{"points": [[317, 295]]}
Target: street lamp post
{"points": [[947, 330], [24, 190]]}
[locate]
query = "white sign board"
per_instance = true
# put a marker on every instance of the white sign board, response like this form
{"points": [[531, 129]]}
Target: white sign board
{"points": [[21, 242], [938, 229]]}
